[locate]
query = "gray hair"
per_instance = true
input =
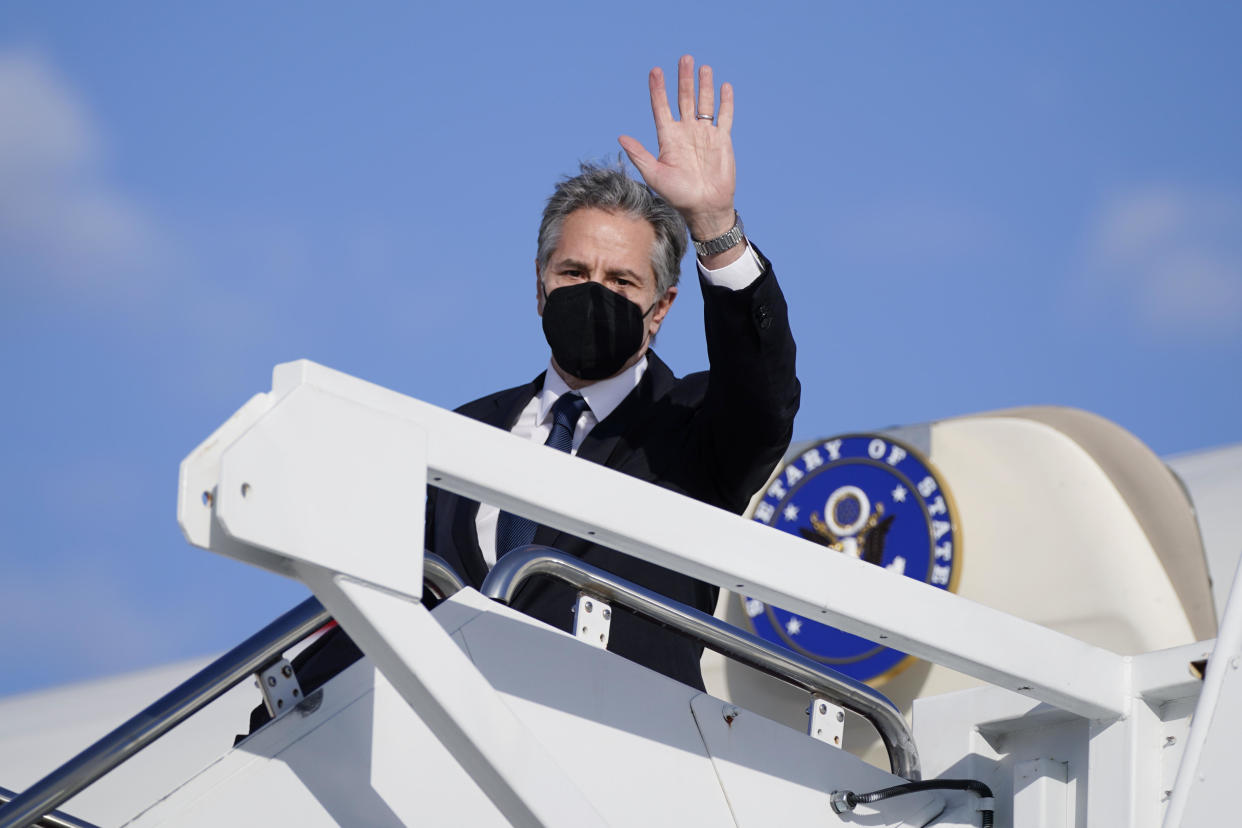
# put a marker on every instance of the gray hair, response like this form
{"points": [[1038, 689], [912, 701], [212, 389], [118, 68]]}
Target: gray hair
{"points": [[609, 188]]}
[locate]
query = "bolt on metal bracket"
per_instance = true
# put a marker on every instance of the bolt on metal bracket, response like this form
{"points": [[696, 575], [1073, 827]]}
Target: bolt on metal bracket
{"points": [[280, 688], [827, 723], [592, 620]]}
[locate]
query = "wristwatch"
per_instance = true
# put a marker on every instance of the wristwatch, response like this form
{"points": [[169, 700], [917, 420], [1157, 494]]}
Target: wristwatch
{"points": [[735, 236]]}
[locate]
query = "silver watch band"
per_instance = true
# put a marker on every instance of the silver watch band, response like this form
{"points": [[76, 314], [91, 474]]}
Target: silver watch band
{"points": [[731, 239]]}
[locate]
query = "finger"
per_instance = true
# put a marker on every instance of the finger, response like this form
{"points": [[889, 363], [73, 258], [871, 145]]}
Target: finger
{"points": [[659, 98], [642, 160], [724, 120], [685, 87], [707, 94]]}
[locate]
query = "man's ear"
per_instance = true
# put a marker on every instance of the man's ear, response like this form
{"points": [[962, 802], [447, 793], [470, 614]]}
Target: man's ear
{"points": [[661, 310]]}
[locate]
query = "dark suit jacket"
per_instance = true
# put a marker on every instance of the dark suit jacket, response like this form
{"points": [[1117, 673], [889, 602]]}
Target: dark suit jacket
{"points": [[714, 436]]}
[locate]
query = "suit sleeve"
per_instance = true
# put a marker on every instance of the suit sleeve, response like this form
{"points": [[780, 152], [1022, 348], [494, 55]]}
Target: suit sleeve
{"points": [[753, 391]]}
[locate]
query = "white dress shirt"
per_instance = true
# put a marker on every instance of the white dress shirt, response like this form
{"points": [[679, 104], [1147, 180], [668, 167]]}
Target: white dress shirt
{"points": [[603, 397]]}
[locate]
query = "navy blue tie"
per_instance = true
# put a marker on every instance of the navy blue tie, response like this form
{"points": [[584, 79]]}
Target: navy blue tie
{"points": [[513, 531]]}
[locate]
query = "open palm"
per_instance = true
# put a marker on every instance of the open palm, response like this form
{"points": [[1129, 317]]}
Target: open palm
{"points": [[695, 169]]}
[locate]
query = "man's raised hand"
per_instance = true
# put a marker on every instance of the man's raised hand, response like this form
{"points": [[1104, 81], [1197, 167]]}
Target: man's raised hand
{"points": [[695, 170]]}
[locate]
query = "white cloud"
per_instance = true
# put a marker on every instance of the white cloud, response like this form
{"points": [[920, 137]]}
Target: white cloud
{"points": [[63, 226], [44, 128], [1171, 259], [73, 238]]}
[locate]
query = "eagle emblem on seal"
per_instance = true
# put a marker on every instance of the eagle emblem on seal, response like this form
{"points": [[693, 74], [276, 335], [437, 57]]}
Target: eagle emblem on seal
{"points": [[871, 497]]}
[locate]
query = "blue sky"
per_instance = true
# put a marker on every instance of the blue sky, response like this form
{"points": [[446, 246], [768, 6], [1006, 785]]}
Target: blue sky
{"points": [[970, 206]]}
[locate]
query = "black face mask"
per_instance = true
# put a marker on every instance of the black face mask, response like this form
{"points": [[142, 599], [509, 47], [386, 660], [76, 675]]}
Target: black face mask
{"points": [[593, 331]]}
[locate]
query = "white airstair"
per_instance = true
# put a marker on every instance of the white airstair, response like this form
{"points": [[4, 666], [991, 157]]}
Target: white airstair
{"points": [[474, 714]]}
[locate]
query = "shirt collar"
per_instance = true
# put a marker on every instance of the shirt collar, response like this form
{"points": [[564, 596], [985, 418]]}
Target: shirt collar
{"points": [[602, 397]]}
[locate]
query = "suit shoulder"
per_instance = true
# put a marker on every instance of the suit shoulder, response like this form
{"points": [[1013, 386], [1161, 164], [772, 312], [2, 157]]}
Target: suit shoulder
{"points": [[691, 385], [487, 408], [484, 403]]}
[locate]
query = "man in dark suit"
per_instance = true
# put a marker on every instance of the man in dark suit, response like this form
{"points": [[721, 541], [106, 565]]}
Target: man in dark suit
{"points": [[606, 271], [606, 277]]}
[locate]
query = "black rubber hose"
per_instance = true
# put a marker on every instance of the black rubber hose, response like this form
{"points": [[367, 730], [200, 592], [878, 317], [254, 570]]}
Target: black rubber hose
{"points": [[852, 799]]}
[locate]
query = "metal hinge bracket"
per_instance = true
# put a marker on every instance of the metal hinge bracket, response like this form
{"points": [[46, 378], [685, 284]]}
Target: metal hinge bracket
{"points": [[280, 688], [827, 722], [592, 620]]}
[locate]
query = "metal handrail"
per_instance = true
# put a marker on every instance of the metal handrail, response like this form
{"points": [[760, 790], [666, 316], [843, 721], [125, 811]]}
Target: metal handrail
{"points": [[512, 570], [56, 819], [186, 699], [442, 578]]}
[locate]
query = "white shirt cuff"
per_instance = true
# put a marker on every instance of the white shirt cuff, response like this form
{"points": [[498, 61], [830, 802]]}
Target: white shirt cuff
{"points": [[737, 275]]}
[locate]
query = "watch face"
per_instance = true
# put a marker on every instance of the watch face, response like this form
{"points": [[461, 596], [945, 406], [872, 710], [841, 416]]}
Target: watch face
{"points": [[873, 498]]}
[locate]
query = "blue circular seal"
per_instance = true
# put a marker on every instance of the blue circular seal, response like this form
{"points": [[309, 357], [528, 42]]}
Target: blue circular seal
{"points": [[871, 497]]}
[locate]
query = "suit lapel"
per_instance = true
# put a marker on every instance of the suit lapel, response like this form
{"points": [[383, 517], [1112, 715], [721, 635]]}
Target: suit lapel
{"points": [[509, 405], [603, 445]]}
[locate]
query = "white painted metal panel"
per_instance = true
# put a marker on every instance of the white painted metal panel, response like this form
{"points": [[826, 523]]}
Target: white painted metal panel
{"points": [[333, 483], [776, 776], [633, 742], [1071, 555], [983, 733], [1040, 794], [1124, 770], [440, 684], [255, 782], [691, 537], [420, 776], [1214, 480], [1207, 782], [624, 734], [200, 471]]}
